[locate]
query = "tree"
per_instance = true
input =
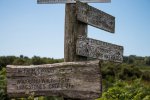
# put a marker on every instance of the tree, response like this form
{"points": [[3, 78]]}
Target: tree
{"points": [[147, 60], [37, 60], [19, 61], [131, 59]]}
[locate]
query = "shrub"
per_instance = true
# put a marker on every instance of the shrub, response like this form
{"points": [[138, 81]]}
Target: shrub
{"points": [[3, 84], [146, 76], [125, 91]]}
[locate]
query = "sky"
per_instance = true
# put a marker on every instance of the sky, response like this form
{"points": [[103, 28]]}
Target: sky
{"points": [[28, 28]]}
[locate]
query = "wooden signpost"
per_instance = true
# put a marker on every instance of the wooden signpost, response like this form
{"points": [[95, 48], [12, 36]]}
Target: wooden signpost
{"points": [[73, 29], [98, 49], [70, 1], [76, 80], [71, 79], [95, 17]]}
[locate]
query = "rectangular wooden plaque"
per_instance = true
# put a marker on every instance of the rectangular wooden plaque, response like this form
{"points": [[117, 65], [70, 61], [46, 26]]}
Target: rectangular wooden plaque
{"points": [[98, 49], [79, 80], [70, 1], [95, 17]]}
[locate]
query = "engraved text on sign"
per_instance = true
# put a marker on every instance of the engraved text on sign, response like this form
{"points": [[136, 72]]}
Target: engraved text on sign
{"points": [[95, 17], [98, 49], [68, 79]]}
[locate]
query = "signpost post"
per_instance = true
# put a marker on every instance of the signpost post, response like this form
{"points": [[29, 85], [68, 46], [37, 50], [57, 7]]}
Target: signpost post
{"points": [[73, 29]]}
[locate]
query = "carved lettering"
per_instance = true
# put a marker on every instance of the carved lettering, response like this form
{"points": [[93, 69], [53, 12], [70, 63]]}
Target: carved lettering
{"points": [[39, 83], [43, 71], [68, 79], [95, 17], [98, 49]]}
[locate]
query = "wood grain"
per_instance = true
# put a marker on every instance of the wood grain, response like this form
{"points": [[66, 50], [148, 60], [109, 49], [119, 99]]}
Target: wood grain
{"points": [[76, 80], [73, 29], [95, 17], [98, 49], [71, 1]]}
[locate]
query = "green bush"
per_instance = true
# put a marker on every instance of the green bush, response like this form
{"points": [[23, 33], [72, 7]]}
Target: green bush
{"points": [[129, 73], [3, 84], [124, 91], [146, 75], [147, 60], [111, 71]]}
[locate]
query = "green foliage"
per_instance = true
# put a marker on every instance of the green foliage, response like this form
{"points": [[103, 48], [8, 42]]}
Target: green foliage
{"points": [[3, 84], [122, 90], [147, 60], [136, 60], [146, 75], [6, 60], [123, 71], [131, 59], [129, 72], [133, 68], [23, 60]]}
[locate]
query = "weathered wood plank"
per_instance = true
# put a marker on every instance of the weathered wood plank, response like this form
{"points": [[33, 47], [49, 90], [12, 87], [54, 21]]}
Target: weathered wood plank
{"points": [[98, 49], [79, 80], [73, 29], [71, 1], [95, 17]]}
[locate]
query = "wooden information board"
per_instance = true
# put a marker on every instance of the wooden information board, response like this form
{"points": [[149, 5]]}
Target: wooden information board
{"points": [[67, 79]]}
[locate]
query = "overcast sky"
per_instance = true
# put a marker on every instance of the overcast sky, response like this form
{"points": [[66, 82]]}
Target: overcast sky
{"points": [[28, 28]]}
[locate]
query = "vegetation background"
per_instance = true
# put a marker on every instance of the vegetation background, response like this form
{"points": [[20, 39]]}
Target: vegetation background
{"points": [[129, 80]]}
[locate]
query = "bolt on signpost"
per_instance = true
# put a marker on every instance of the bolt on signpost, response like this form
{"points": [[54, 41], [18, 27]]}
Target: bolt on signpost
{"points": [[76, 78]]}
